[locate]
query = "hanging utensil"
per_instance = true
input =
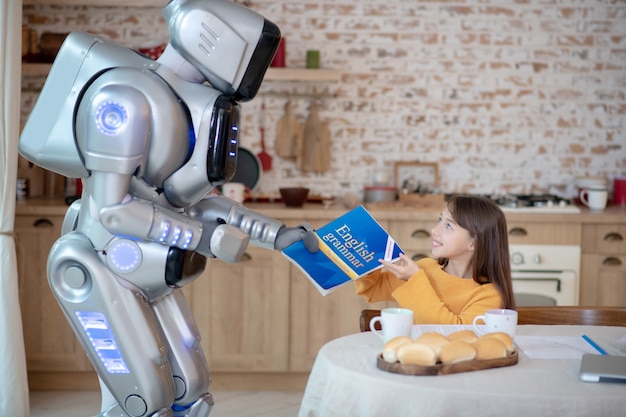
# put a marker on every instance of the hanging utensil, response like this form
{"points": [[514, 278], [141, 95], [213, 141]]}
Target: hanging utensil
{"points": [[264, 157], [288, 134], [315, 153]]}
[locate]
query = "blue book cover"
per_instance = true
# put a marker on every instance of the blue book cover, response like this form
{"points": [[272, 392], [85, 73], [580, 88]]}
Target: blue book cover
{"points": [[350, 247]]}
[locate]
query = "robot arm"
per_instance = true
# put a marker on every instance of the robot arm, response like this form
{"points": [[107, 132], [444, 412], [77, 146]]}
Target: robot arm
{"points": [[264, 232], [143, 219], [215, 227]]}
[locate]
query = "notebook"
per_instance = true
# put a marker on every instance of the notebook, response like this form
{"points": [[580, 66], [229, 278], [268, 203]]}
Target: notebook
{"points": [[603, 368]]}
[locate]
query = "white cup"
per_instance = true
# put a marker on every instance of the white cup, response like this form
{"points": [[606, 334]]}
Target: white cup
{"points": [[498, 320], [394, 322], [594, 198], [234, 190]]}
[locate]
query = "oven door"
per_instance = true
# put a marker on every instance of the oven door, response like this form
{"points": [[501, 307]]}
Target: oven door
{"points": [[545, 288]]}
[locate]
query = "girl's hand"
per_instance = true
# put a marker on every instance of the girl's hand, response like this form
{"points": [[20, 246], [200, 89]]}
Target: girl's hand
{"points": [[403, 269]]}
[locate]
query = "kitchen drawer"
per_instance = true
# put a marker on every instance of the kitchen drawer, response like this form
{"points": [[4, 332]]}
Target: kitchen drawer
{"points": [[50, 224], [603, 280], [413, 236], [49, 341], [604, 238], [544, 233]]}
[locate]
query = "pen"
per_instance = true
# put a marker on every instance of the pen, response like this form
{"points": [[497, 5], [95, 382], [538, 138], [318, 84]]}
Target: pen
{"points": [[594, 345]]}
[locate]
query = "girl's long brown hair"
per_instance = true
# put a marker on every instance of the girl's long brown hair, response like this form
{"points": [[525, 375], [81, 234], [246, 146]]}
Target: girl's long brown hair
{"points": [[486, 223]]}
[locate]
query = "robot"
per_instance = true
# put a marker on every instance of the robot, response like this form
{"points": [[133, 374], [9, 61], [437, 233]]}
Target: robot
{"points": [[150, 140]]}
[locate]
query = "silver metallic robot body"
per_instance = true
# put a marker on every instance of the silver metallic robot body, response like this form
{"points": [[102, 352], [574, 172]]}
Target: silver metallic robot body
{"points": [[150, 140]]}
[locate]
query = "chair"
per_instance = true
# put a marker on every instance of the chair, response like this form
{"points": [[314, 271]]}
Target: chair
{"points": [[366, 316], [577, 315]]}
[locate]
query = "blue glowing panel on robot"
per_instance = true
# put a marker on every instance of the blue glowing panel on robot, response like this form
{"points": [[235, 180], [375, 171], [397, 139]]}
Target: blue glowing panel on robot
{"points": [[111, 118], [97, 328]]}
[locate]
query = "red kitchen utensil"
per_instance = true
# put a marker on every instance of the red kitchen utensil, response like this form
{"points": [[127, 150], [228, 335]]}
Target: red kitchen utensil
{"points": [[264, 157]]}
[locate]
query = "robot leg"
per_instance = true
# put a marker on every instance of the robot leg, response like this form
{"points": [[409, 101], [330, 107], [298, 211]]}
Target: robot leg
{"points": [[117, 328], [110, 407], [192, 377]]}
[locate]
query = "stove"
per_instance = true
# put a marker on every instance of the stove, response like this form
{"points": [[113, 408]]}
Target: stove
{"points": [[545, 274], [534, 203]]}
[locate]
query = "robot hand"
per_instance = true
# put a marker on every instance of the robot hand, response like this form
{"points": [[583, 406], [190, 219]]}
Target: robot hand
{"points": [[222, 241], [288, 235]]}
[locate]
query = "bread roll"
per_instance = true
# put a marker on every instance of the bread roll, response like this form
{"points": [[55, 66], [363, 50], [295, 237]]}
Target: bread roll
{"points": [[391, 348], [506, 340], [457, 351], [416, 354], [464, 335], [489, 348], [434, 340]]}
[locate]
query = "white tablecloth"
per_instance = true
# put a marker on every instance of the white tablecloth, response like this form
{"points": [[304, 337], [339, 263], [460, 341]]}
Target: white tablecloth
{"points": [[345, 382]]}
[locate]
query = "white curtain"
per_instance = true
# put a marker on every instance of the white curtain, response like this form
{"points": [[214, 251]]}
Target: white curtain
{"points": [[13, 382]]}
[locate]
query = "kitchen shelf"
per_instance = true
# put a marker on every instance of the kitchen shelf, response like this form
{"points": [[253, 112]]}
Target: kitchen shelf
{"points": [[272, 74], [301, 74], [101, 3]]}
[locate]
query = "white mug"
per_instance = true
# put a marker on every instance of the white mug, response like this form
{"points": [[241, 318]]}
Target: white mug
{"points": [[234, 190], [394, 322], [498, 320], [594, 198]]}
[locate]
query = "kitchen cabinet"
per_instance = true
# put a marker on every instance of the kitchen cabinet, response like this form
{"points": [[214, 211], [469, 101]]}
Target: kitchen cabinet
{"points": [[603, 274], [316, 320], [242, 312], [524, 232], [261, 319], [48, 338], [414, 236]]}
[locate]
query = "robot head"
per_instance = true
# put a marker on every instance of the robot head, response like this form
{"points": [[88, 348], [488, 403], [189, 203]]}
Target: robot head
{"points": [[229, 44]]}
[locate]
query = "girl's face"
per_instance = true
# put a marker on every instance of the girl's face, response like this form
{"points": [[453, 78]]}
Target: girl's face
{"points": [[450, 240]]}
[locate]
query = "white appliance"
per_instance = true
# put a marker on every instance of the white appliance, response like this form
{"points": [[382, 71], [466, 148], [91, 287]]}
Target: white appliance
{"points": [[545, 274]]}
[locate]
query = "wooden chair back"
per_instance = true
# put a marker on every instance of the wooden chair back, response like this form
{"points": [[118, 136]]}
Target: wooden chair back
{"points": [[575, 315], [572, 315], [366, 316]]}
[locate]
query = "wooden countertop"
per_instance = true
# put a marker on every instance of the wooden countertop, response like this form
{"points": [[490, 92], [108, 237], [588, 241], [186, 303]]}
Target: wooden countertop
{"points": [[310, 211], [40, 206]]}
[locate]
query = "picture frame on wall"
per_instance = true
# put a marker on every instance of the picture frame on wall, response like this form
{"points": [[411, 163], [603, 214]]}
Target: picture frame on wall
{"points": [[415, 177]]}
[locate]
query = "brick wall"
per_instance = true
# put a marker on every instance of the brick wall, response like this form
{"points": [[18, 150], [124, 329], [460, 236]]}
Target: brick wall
{"points": [[506, 96]]}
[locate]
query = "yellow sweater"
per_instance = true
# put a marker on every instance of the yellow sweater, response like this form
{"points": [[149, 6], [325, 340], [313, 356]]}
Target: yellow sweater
{"points": [[435, 296]]}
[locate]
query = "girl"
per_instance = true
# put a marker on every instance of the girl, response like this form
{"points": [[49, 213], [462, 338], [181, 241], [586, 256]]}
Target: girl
{"points": [[471, 275]]}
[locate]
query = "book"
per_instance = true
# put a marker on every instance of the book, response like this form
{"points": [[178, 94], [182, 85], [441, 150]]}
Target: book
{"points": [[350, 247]]}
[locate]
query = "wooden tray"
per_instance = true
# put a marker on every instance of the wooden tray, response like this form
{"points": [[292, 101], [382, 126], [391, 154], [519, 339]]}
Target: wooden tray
{"points": [[441, 369]]}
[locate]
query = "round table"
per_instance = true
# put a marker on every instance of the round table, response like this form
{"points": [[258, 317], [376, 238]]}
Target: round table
{"points": [[345, 381]]}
